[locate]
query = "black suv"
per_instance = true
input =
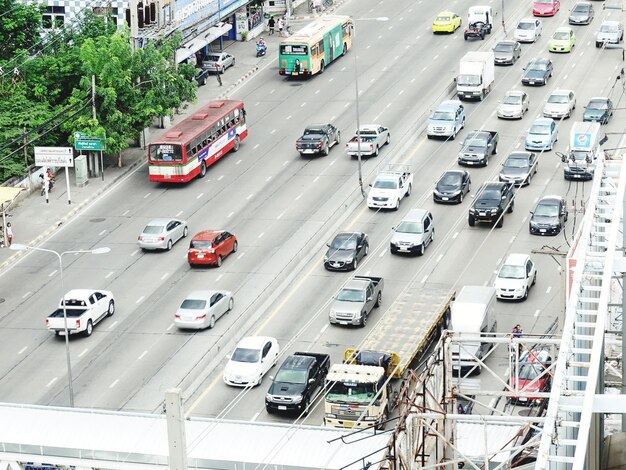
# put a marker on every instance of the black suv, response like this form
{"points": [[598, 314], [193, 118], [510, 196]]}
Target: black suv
{"points": [[492, 200]]}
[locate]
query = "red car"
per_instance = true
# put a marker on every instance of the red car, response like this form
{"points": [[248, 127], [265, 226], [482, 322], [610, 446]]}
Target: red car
{"points": [[211, 247], [546, 7], [533, 377]]}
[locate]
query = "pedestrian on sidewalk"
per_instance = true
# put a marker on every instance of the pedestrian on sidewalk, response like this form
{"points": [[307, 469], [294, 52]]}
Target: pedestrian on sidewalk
{"points": [[9, 234], [281, 25], [271, 24], [218, 74]]}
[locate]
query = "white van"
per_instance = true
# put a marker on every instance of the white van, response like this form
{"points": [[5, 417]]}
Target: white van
{"points": [[584, 149], [472, 312]]}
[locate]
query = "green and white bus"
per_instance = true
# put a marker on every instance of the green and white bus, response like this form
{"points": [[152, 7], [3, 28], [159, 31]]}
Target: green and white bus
{"points": [[315, 46]]}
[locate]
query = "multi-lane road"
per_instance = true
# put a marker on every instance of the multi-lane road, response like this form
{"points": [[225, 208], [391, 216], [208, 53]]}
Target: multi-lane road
{"points": [[284, 209]]}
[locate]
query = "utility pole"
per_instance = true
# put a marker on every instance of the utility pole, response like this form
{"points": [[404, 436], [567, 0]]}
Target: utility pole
{"points": [[547, 250], [176, 439], [30, 188], [503, 25], [134, 23]]}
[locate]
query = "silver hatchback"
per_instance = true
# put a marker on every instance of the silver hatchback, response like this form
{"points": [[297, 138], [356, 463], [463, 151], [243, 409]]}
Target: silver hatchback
{"points": [[161, 234], [218, 62]]}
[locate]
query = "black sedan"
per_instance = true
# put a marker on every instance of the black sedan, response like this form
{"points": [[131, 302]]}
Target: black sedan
{"points": [[507, 52], [452, 186], [537, 72], [346, 250], [598, 110], [519, 168], [549, 216]]}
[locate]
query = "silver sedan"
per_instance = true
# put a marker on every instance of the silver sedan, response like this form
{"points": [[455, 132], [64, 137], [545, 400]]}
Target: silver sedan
{"points": [[161, 234], [218, 62], [514, 105], [201, 309]]}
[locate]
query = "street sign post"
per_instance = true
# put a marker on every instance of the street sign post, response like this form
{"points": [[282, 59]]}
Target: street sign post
{"points": [[91, 144], [55, 156]]}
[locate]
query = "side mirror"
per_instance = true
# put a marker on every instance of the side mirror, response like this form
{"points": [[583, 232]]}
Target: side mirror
{"points": [[311, 381], [370, 185], [359, 247], [369, 299], [271, 377], [532, 213], [328, 245], [228, 356]]}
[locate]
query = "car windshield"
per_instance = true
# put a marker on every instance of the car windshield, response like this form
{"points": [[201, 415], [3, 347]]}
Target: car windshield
{"points": [[597, 104], [512, 99], [547, 210], [475, 142], [580, 9], [516, 163], [291, 376], [530, 371], [490, 195], [562, 99], [386, 184], [351, 295], [200, 244], [367, 133], [193, 304], [213, 58], [409, 227], [468, 80], [526, 26], [608, 28], [246, 355], [540, 129], [450, 179], [560, 35], [503, 48], [545, 2], [344, 243], [153, 229], [443, 116], [351, 392], [443, 18], [511, 272]]}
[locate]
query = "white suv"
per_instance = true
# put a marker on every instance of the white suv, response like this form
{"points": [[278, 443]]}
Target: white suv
{"points": [[515, 277]]}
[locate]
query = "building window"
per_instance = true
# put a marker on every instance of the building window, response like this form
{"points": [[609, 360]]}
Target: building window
{"points": [[53, 17]]}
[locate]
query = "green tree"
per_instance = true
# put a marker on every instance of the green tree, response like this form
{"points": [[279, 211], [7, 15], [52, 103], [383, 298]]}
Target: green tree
{"points": [[19, 27]]}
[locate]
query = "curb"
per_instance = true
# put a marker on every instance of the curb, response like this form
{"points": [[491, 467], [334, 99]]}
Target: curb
{"points": [[241, 79]]}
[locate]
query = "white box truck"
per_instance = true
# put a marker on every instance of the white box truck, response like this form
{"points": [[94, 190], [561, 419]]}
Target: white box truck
{"points": [[476, 75], [584, 149], [472, 312]]}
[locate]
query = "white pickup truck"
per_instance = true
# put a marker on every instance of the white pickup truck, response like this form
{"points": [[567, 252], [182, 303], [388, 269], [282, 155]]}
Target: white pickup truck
{"points": [[391, 185], [84, 308], [372, 136]]}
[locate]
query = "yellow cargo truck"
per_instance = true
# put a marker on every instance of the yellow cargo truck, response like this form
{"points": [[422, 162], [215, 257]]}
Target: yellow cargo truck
{"points": [[359, 393]]}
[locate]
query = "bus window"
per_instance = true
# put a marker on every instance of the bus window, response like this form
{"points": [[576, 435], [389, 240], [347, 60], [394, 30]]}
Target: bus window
{"points": [[294, 49], [320, 46], [165, 153]]}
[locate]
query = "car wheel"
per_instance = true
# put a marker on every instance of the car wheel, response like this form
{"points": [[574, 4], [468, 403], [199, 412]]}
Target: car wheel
{"points": [[305, 408], [232, 64], [453, 136], [397, 205], [322, 67], [235, 247], [337, 137], [89, 328], [409, 189], [363, 320], [421, 250], [185, 232], [500, 222], [325, 150], [260, 381], [355, 264], [367, 249], [534, 278], [236, 144], [510, 209], [471, 221], [376, 151], [111, 309], [219, 261], [465, 37], [202, 169], [388, 138], [525, 294], [212, 322], [169, 245], [231, 304], [432, 236], [379, 299], [486, 161], [461, 197]]}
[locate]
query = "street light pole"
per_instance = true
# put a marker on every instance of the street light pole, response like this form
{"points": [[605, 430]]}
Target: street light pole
{"points": [[96, 251]]}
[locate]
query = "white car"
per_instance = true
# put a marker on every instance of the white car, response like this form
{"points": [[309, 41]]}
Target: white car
{"points": [[528, 30], [202, 308], [514, 105], [515, 277], [161, 234], [610, 32], [253, 357], [84, 308], [560, 104]]}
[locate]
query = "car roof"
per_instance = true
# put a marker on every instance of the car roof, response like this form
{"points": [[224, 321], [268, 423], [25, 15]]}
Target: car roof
{"points": [[451, 105], [536, 356], [527, 20], [206, 235], [561, 92], [415, 215], [543, 121], [79, 293], [370, 127], [445, 13], [160, 221], [563, 29], [516, 259], [541, 60], [454, 172], [317, 126], [553, 199], [519, 155], [512, 43], [599, 98], [255, 342], [611, 23], [515, 92], [203, 294]]}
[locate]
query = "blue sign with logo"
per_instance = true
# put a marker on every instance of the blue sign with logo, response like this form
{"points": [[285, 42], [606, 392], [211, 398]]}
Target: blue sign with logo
{"points": [[582, 141]]}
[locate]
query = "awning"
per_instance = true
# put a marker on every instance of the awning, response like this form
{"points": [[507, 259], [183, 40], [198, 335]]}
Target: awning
{"points": [[199, 42], [7, 194]]}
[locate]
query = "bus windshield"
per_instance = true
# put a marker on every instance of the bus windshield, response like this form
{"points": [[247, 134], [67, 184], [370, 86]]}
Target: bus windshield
{"points": [[166, 153], [294, 49]]}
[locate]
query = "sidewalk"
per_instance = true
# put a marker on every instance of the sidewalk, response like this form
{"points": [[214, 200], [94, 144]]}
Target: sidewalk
{"points": [[33, 220]]}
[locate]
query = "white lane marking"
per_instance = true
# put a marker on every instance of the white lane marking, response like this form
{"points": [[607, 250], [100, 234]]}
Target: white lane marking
{"points": [[413, 79], [179, 213], [343, 68], [316, 178], [219, 277], [52, 273], [439, 258], [382, 253], [102, 233], [237, 162], [346, 105], [140, 299], [456, 234], [272, 91], [518, 145], [249, 196], [367, 273], [397, 57], [164, 276], [302, 105], [288, 118], [324, 328], [332, 118], [125, 212], [372, 80], [574, 65], [199, 195], [581, 53], [286, 162], [558, 164], [109, 275], [268, 178], [424, 279], [548, 289], [220, 177], [113, 325], [147, 195], [316, 92], [436, 57], [380, 36], [332, 163], [114, 383], [83, 352], [261, 235], [588, 43], [564, 76], [425, 68], [22, 350], [298, 196], [330, 79], [512, 239], [143, 354], [51, 382], [273, 131], [400, 92], [281, 215], [256, 415], [537, 312], [257, 145], [26, 295], [135, 252], [241, 255], [170, 327], [230, 215]]}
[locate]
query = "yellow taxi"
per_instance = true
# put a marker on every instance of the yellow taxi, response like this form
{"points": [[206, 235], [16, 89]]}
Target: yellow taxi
{"points": [[446, 22]]}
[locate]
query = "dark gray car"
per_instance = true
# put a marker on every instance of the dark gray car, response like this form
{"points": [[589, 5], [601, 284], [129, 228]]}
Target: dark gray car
{"points": [[582, 13], [519, 168], [507, 52], [346, 250]]}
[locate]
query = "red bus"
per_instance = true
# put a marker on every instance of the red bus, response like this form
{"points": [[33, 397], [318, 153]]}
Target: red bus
{"points": [[188, 148]]}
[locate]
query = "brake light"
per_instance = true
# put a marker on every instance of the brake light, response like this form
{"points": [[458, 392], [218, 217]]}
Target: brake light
{"points": [[371, 147], [47, 322], [77, 323], [139, 238], [177, 316], [201, 317], [161, 238]]}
